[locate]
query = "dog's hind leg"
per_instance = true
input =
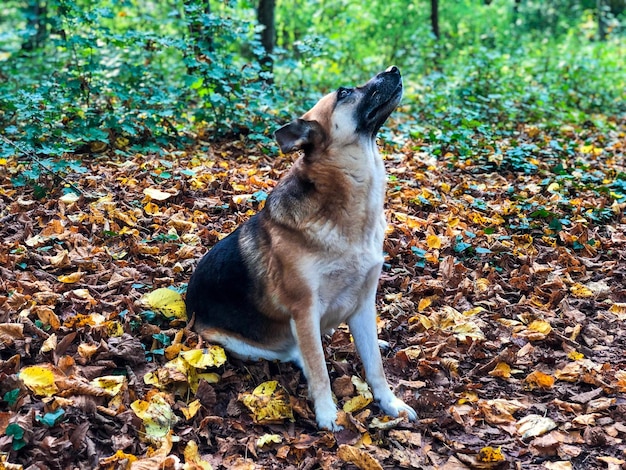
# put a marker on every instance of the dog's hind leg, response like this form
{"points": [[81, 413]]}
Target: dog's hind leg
{"points": [[363, 329]]}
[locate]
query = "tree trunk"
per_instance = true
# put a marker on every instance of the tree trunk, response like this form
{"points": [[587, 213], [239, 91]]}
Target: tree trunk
{"points": [[37, 25], [434, 17], [266, 18], [601, 7]]}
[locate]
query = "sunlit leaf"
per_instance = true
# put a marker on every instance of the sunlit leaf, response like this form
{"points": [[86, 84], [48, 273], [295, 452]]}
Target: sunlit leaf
{"points": [[156, 414], [70, 278], [40, 380], [534, 425], [213, 356], [268, 439], [269, 403], [539, 379], [167, 302], [110, 384]]}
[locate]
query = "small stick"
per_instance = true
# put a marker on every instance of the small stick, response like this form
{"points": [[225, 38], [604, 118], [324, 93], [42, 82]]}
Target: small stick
{"points": [[33, 156]]}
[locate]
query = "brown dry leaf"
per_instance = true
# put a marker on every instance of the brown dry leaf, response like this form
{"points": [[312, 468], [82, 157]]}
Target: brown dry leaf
{"points": [[9, 332], [47, 316], [559, 465], [358, 457], [500, 411]]}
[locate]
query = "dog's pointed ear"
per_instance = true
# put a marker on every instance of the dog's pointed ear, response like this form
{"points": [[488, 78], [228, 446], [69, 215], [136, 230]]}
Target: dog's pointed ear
{"points": [[298, 134]]}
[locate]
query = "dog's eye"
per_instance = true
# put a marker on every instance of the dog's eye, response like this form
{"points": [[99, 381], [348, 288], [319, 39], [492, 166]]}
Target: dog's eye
{"points": [[343, 92]]}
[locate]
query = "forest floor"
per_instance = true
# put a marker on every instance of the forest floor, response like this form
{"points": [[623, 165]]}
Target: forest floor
{"points": [[502, 304]]}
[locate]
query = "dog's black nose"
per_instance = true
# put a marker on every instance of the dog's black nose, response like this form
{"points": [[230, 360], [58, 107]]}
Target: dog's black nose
{"points": [[393, 69]]}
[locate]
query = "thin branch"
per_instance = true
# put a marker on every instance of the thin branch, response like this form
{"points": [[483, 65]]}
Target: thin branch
{"points": [[32, 155]]}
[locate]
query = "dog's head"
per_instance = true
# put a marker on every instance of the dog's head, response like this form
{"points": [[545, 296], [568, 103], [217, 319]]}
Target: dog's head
{"points": [[345, 116]]}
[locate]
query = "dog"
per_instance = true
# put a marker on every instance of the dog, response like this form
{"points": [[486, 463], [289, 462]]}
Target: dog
{"points": [[311, 258]]}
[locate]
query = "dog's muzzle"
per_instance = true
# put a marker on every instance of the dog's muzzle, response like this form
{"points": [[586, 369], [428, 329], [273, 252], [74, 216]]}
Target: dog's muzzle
{"points": [[381, 95]]}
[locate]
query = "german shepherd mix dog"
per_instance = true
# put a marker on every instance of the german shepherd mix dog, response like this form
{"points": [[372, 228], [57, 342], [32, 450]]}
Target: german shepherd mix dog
{"points": [[311, 258]]}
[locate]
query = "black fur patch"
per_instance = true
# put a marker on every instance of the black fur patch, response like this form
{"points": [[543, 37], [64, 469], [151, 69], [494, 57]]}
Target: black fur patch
{"points": [[221, 290]]}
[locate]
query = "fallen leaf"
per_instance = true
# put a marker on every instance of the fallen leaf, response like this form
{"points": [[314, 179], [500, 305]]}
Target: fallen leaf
{"points": [[269, 403], [39, 379], [167, 302], [358, 457], [534, 425]]}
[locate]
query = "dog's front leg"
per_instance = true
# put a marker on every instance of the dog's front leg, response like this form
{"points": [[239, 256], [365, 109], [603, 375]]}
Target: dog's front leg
{"points": [[307, 332], [363, 329]]}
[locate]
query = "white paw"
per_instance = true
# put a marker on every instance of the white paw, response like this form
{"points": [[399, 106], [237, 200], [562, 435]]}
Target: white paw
{"points": [[326, 419], [395, 407]]}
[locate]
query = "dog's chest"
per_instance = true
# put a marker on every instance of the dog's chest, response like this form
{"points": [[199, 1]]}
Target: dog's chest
{"points": [[347, 279]]}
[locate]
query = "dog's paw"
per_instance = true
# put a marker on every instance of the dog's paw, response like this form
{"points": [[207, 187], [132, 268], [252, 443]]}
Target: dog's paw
{"points": [[395, 407], [328, 420]]}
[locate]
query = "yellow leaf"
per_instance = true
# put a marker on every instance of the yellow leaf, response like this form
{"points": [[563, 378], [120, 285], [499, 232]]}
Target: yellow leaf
{"points": [[157, 194], [193, 461], [213, 356], [502, 370], [192, 409], [540, 326], [210, 377], [482, 284], [468, 397], [167, 302], [356, 403], [473, 311], [489, 454], [70, 278], [152, 209], [575, 355], [156, 414], [269, 403], [433, 242], [110, 384], [581, 291], [423, 320], [39, 380], [554, 187], [539, 379], [424, 304], [110, 462], [267, 439], [619, 310], [500, 411]]}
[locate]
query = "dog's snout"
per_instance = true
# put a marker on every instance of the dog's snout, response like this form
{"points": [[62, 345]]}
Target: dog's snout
{"points": [[393, 69]]}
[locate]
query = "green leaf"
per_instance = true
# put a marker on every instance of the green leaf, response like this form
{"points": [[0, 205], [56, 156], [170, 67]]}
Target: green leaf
{"points": [[52, 418], [11, 396]]}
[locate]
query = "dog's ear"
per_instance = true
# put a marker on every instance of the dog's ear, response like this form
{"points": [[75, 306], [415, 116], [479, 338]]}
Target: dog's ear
{"points": [[299, 134]]}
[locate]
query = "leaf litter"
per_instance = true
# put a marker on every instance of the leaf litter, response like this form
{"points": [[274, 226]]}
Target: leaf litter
{"points": [[501, 316]]}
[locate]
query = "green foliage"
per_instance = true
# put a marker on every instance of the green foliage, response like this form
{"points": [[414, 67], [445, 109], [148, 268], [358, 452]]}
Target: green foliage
{"points": [[128, 77]]}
